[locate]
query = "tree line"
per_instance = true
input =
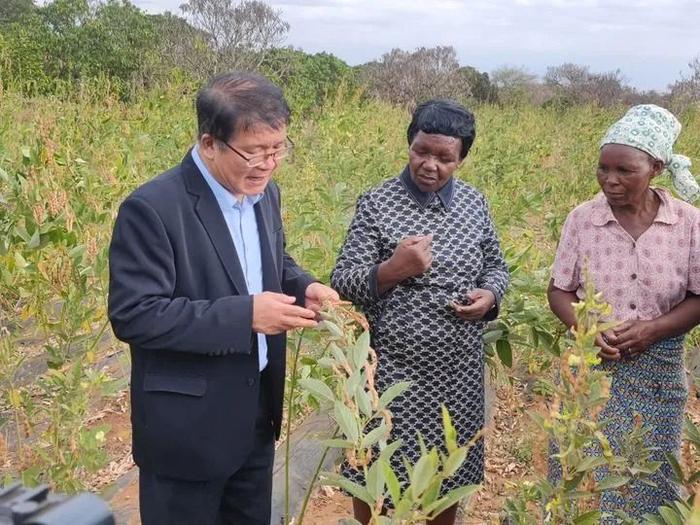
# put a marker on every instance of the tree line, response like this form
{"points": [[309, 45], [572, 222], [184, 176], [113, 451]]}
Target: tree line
{"points": [[53, 47]]}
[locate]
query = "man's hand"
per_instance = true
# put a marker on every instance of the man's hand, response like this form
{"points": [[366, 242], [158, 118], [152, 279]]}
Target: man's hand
{"points": [[274, 313], [480, 302], [604, 341], [633, 337], [317, 294]]}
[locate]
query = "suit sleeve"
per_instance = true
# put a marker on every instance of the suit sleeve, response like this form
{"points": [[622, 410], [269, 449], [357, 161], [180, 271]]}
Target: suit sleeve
{"points": [[294, 279], [141, 306]]}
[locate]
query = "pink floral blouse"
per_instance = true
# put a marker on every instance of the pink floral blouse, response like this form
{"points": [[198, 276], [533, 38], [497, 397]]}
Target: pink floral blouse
{"points": [[641, 279]]}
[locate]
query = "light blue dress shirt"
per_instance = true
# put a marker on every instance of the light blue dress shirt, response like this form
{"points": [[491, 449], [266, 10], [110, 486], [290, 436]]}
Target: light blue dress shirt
{"points": [[240, 219]]}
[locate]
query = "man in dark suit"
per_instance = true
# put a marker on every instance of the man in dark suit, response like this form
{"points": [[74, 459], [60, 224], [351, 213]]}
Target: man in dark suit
{"points": [[203, 292]]}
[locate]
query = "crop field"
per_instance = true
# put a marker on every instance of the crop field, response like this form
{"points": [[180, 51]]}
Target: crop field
{"points": [[66, 164]]}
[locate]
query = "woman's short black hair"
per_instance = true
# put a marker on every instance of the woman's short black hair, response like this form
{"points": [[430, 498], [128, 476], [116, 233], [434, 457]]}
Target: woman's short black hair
{"points": [[444, 117], [237, 101]]}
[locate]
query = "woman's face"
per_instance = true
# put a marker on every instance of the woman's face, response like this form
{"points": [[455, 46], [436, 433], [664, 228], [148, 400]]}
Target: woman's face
{"points": [[432, 159], [624, 174]]}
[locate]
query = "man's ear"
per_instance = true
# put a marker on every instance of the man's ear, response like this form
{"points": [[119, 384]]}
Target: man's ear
{"points": [[207, 145]]}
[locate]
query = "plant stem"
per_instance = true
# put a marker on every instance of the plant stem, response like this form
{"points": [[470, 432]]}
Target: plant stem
{"points": [[307, 496], [290, 417]]}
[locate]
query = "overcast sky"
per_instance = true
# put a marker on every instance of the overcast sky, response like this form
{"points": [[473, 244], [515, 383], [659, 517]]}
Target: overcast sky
{"points": [[651, 41]]}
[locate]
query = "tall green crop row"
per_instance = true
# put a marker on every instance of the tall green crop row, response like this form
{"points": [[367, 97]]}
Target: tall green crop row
{"points": [[66, 164]]}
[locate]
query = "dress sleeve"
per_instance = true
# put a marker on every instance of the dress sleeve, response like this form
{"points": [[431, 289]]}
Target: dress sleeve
{"points": [[566, 269], [355, 272], [494, 276], [694, 262]]}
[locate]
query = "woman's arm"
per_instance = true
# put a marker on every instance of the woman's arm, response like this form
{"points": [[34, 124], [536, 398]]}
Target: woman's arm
{"points": [[633, 337], [561, 303]]}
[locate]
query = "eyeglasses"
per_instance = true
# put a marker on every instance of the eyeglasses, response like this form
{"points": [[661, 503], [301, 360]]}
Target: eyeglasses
{"points": [[257, 160]]}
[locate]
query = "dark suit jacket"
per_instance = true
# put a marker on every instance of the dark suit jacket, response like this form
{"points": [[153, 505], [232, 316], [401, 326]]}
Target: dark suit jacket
{"points": [[178, 297]]}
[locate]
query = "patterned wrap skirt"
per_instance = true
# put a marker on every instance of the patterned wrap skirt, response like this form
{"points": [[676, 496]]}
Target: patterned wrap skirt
{"points": [[653, 387]]}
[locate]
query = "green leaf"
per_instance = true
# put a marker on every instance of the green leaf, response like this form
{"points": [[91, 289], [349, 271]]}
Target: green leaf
{"points": [[35, 241], [337, 443], [432, 492], [356, 490], [393, 392], [449, 429], [505, 353], [20, 261], [612, 482], [346, 421], [451, 498], [353, 382], [589, 518], [454, 461], [333, 328], [491, 336], [423, 472], [392, 481], [361, 349], [379, 433], [675, 466], [390, 450], [670, 516], [363, 401], [589, 463], [375, 481], [338, 355], [349, 521], [317, 388]]}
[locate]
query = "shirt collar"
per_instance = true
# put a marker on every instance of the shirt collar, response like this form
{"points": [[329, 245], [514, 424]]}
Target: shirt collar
{"points": [[445, 194], [603, 214], [224, 197]]}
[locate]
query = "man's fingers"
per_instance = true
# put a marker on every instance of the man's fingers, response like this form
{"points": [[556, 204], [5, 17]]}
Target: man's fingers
{"points": [[280, 297], [298, 311], [300, 322]]}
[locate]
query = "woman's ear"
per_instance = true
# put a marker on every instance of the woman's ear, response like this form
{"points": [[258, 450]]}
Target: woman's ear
{"points": [[658, 167]]}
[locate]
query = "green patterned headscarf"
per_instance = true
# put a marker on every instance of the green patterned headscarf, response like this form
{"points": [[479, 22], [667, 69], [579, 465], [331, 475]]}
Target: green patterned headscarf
{"points": [[654, 129]]}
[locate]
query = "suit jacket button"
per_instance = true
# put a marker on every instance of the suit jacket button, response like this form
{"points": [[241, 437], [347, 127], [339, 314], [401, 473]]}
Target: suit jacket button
{"points": [[251, 381]]}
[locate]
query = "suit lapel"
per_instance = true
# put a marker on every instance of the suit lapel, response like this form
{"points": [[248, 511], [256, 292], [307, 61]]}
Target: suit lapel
{"points": [[207, 209], [271, 279]]}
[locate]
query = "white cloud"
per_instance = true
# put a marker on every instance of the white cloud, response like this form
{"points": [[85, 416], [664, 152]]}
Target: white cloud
{"points": [[651, 41]]}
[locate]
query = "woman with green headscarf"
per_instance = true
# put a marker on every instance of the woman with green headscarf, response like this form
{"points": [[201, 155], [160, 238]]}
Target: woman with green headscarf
{"points": [[641, 248]]}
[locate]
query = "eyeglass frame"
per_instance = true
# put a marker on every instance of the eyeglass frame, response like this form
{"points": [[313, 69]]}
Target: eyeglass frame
{"points": [[289, 147]]}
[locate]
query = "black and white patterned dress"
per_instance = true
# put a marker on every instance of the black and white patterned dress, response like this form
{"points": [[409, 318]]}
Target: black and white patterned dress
{"points": [[415, 332]]}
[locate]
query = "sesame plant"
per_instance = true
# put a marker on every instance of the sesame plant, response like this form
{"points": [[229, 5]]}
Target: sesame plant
{"points": [[363, 419], [578, 475]]}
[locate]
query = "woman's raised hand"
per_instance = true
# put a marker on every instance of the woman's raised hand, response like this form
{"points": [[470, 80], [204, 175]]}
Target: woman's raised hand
{"points": [[412, 256]]}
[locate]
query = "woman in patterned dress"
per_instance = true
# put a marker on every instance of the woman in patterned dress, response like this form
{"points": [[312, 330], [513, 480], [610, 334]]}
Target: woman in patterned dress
{"points": [[419, 243], [641, 248]]}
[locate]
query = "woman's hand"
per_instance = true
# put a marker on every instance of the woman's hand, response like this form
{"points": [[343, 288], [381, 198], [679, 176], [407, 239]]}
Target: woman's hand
{"points": [[604, 342], [633, 337], [412, 256], [480, 302]]}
